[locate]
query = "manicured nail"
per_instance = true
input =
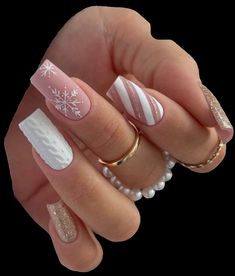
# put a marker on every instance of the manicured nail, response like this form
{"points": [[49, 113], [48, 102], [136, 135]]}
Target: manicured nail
{"points": [[63, 221], [216, 109], [131, 98], [47, 140], [67, 97]]}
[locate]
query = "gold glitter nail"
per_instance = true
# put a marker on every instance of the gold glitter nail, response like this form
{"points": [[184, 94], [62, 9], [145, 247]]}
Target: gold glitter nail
{"points": [[63, 221], [216, 109]]}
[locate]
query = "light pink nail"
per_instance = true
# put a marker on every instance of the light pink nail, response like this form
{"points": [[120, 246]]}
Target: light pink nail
{"points": [[67, 97], [131, 98]]}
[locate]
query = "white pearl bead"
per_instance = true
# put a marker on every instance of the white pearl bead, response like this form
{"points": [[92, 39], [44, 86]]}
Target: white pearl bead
{"points": [[121, 188], [148, 192], [171, 164], [113, 179], [167, 176], [124, 190], [154, 186], [117, 184], [135, 195], [107, 173], [160, 185]]}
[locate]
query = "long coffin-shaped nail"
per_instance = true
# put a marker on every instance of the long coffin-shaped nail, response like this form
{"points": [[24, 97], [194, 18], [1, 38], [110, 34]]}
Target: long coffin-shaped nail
{"points": [[63, 221], [218, 112], [132, 99], [66, 96], [47, 140]]}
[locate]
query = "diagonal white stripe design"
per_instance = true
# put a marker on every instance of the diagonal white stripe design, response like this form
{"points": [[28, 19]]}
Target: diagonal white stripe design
{"points": [[160, 108], [145, 105], [122, 92]]}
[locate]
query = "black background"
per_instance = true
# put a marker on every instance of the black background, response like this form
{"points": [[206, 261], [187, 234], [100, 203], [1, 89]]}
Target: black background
{"points": [[188, 226]]}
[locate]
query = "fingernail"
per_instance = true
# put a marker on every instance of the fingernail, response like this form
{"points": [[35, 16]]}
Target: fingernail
{"points": [[131, 98], [63, 221], [66, 96], [47, 140], [217, 111]]}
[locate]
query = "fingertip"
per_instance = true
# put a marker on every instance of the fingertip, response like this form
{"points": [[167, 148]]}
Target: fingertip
{"points": [[225, 135], [83, 253], [127, 229]]}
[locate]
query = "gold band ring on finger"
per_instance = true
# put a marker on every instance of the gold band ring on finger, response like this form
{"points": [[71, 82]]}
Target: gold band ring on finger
{"points": [[128, 154], [210, 160]]}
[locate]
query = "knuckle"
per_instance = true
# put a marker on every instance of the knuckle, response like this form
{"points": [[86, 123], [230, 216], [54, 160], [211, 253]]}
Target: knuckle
{"points": [[133, 18], [191, 61], [109, 135], [173, 52], [88, 10], [169, 47], [170, 43], [130, 14]]}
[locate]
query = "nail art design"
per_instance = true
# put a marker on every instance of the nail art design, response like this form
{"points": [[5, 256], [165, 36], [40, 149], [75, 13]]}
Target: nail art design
{"points": [[47, 69], [67, 97], [131, 98], [47, 140], [216, 109], [63, 221]]}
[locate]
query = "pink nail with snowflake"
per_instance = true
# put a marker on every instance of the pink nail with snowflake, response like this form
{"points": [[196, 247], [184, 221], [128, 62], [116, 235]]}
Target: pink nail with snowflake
{"points": [[66, 96]]}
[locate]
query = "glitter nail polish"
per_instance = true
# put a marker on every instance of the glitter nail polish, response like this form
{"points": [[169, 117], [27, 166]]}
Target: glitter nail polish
{"points": [[63, 221], [216, 109]]}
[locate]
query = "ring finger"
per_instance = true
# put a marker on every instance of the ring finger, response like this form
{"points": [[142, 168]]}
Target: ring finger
{"points": [[177, 131]]}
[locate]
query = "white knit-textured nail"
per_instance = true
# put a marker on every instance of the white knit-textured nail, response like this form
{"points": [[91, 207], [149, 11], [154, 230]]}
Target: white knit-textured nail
{"points": [[47, 140]]}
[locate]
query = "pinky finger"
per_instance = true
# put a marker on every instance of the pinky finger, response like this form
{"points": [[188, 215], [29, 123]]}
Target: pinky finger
{"points": [[75, 245]]}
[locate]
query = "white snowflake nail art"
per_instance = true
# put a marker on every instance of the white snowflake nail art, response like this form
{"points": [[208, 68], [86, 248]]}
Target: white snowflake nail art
{"points": [[47, 69], [63, 92], [66, 101]]}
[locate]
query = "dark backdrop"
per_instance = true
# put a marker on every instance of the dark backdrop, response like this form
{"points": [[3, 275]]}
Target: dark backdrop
{"points": [[188, 226]]}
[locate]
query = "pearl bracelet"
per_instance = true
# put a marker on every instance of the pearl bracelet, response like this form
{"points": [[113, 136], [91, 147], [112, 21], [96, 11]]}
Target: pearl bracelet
{"points": [[148, 192]]}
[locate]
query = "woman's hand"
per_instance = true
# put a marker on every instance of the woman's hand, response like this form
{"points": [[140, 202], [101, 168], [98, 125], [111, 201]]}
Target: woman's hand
{"points": [[169, 105]]}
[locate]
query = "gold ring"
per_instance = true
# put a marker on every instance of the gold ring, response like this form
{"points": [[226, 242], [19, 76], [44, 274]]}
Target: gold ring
{"points": [[128, 154], [208, 161]]}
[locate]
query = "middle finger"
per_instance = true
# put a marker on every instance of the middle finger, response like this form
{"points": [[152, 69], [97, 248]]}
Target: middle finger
{"points": [[99, 125]]}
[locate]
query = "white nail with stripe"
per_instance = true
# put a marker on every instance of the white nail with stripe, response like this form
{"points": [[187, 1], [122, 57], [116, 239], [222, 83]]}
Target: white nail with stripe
{"points": [[47, 140], [131, 98]]}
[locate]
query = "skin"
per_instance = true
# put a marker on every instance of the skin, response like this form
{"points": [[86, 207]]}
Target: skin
{"points": [[161, 65]]}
